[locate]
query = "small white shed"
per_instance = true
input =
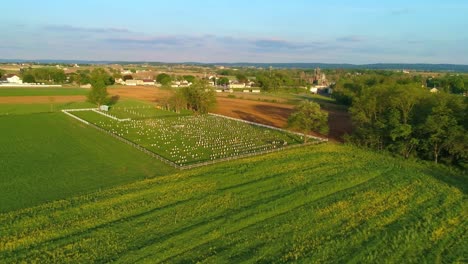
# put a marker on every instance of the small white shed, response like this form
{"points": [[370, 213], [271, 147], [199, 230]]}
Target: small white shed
{"points": [[104, 108]]}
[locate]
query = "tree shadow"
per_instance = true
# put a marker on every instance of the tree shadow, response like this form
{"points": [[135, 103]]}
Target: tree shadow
{"points": [[453, 177]]}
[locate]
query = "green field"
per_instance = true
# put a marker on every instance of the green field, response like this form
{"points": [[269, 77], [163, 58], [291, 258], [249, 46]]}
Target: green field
{"points": [[192, 139], [49, 156], [321, 203], [21, 109], [22, 91]]}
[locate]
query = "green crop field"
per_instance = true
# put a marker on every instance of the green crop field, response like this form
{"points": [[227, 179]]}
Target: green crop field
{"points": [[192, 139], [48, 156], [42, 91], [321, 203]]}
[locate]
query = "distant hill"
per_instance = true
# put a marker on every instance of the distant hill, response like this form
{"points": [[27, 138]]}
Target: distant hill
{"points": [[375, 66]]}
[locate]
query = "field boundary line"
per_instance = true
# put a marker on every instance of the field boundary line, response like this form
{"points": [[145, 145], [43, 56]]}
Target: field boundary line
{"points": [[74, 116], [110, 116], [200, 164]]}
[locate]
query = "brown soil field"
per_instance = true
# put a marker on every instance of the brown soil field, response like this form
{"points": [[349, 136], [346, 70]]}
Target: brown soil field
{"points": [[276, 114], [145, 93], [41, 99]]}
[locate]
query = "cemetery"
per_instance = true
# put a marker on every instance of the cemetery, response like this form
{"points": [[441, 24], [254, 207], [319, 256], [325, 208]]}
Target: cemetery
{"points": [[189, 139]]}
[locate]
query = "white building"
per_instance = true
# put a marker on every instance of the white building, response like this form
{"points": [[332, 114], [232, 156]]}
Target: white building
{"points": [[236, 85], [14, 79], [125, 72], [134, 82]]}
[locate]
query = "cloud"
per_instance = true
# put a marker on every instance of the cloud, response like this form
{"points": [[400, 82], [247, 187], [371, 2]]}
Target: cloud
{"points": [[278, 44], [68, 28], [158, 41], [351, 38]]}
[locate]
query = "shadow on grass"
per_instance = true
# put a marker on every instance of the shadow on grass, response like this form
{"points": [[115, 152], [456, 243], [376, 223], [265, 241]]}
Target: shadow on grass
{"points": [[450, 176]]}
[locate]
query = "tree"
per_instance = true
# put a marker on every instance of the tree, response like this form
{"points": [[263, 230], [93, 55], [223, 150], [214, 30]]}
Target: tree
{"points": [[127, 77], [98, 93], [308, 117], [199, 97], [189, 78], [29, 78], [441, 129], [241, 78], [177, 101], [163, 79], [222, 81]]}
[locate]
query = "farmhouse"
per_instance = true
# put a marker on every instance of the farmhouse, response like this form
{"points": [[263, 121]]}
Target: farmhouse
{"points": [[148, 82], [134, 82], [14, 79]]}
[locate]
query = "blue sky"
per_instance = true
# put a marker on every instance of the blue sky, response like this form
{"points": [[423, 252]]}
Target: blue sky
{"points": [[354, 31]]}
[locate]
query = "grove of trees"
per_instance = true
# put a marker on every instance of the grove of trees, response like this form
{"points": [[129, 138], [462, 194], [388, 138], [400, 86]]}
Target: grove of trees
{"points": [[198, 97], [164, 79], [43, 74], [402, 117]]}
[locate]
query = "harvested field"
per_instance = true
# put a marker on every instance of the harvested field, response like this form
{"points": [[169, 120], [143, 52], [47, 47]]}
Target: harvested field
{"points": [[145, 93], [275, 114]]}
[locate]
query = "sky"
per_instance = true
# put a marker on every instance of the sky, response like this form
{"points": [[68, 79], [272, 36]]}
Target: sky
{"points": [[269, 31]]}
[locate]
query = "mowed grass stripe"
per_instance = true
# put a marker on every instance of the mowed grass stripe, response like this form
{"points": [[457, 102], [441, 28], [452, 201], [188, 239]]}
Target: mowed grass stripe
{"points": [[235, 211]]}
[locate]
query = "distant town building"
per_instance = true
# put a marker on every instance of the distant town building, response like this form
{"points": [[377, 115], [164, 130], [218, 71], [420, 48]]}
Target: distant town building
{"points": [[134, 82], [236, 85], [148, 82]]}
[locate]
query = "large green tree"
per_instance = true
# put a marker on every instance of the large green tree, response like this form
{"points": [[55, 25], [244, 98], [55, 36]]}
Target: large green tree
{"points": [[441, 131], [163, 79], [29, 78], [199, 97], [222, 81], [98, 94], [308, 117]]}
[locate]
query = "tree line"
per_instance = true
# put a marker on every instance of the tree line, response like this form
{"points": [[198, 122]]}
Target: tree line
{"points": [[401, 116]]}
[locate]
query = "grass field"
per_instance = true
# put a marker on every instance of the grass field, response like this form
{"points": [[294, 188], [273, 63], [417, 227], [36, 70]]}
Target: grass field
{"points": [[48, 156], [22, 109], [187, 140], [322, 203], [42, 91]]}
